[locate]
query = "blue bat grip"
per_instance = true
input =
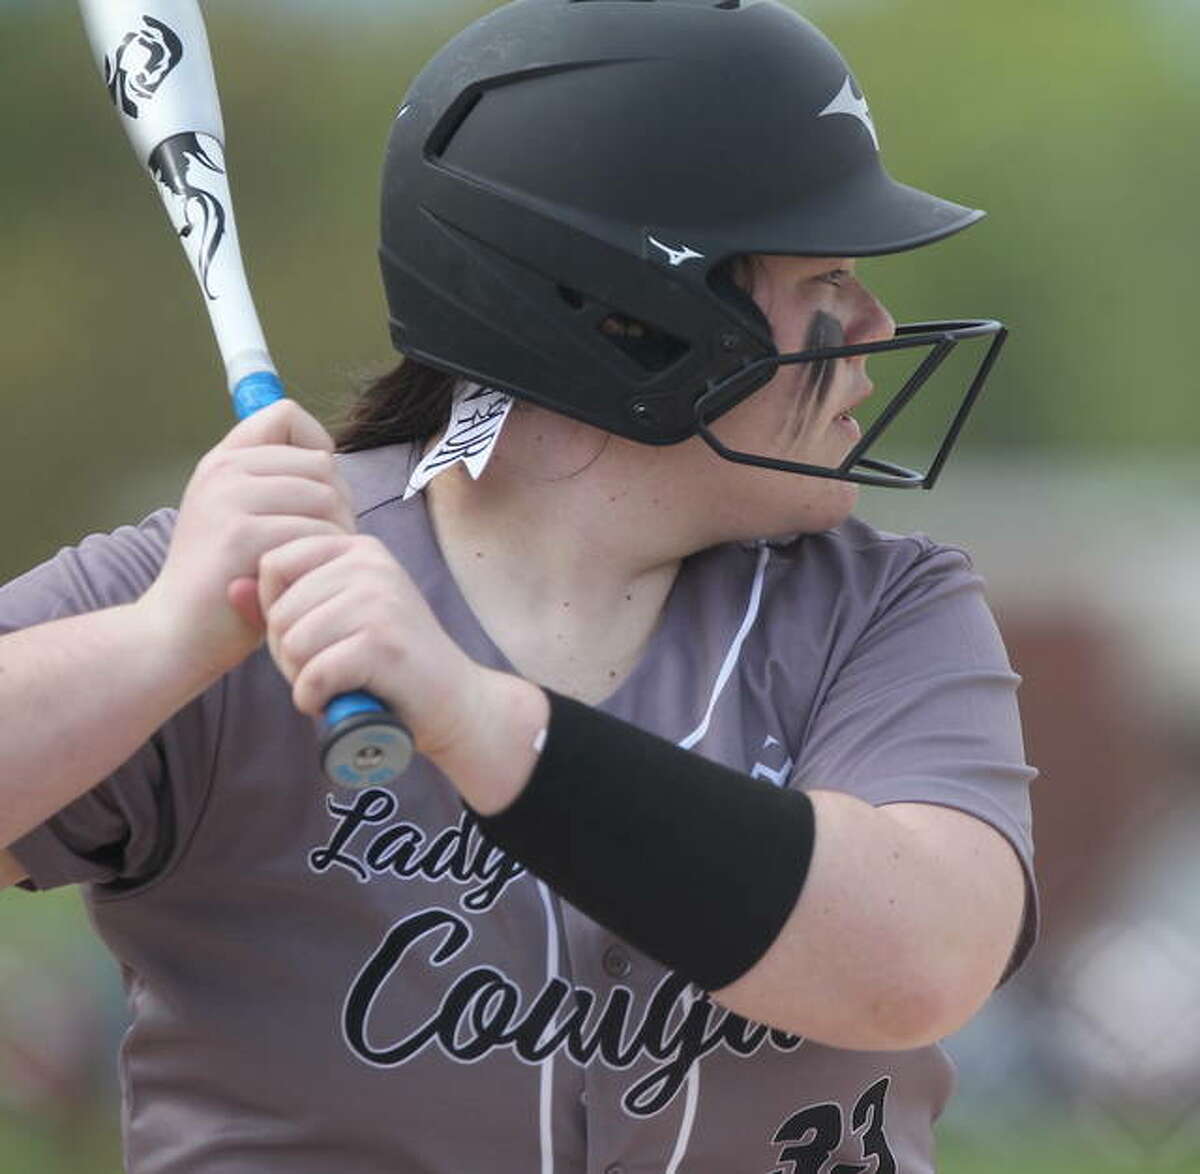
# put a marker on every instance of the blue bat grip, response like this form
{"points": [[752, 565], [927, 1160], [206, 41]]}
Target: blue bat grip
{"points": [[255, 391], [362, 744]]}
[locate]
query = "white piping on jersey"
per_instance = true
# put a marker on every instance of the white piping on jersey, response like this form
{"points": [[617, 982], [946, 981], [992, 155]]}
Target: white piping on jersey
{"points": [[684, 1138], [689, 1115], [735, 649], [546, 1076]]}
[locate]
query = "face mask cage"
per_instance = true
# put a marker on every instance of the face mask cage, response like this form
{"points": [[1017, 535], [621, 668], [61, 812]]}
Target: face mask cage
{"points": [[939, 337]]}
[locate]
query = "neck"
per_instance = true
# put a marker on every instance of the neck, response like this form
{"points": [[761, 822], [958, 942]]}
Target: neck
{"points": [[559, 551]]}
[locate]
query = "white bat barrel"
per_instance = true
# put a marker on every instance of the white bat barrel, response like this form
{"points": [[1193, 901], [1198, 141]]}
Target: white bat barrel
{"points": [[155, 60], [191, 177]]}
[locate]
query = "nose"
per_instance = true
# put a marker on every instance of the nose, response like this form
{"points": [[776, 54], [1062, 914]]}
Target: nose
{"points": [[872, 322]]}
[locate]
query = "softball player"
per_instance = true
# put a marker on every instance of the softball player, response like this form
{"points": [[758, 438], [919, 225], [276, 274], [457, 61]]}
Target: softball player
{"points": [[720, 817]]}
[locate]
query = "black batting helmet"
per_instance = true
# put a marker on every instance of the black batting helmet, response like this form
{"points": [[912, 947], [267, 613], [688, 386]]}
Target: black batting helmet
{"points": [[567, 182]]}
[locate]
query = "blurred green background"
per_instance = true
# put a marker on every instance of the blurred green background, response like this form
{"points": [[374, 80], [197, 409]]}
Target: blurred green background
{"points": [[1073, 122]]}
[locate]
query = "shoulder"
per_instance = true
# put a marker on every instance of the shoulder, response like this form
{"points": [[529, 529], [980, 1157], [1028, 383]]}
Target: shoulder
{"points": [[858, 548], [861, 565], [853, 568], [101, 570]]}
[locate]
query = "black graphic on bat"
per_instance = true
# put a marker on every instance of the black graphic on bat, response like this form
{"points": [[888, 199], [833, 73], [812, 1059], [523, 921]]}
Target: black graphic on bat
{"points": [[174, 165], [141, 63]]}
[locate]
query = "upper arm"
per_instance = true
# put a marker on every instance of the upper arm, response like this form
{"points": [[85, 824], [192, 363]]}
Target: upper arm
{"points": [[10, 869], [982, 906], [921, 722]]}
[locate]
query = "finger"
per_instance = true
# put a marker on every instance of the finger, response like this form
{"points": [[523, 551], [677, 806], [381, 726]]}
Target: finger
{"points": [[283, 565], [342, 667], [284, 422], [275, 460], [306, 592], [302, 610], [284, 496], [324, 623], [248, 541]]}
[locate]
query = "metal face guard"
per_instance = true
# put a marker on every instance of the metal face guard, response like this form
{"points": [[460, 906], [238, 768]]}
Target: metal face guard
{"points": [[940, 337]]}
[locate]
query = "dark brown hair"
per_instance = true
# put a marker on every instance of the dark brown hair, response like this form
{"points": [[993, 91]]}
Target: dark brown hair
{"points": [[411, 402]]}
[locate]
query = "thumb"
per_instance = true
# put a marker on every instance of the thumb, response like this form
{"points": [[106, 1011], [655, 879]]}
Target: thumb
{"points": [[243, 598]]}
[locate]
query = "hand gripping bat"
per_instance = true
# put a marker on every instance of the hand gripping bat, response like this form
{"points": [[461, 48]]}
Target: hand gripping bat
{"points": [[155, 60]]}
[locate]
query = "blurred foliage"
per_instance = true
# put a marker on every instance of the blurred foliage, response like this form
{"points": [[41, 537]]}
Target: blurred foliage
{"points": [[1072, 123]]}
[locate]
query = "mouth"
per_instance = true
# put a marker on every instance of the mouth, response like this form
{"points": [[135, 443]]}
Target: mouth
{"points": [[845, 419], [849, 425]]}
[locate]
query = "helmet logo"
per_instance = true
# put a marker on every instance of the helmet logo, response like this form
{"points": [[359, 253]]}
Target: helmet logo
{"points": [[677, 256], [848, 101]]}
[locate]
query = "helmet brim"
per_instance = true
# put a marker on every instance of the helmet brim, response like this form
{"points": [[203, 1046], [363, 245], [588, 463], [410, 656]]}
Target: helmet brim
{"points": [[867, 215]]}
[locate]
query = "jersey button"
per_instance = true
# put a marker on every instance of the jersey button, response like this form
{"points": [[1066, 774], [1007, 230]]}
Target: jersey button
{"points": [[615, 1168], [616, 965]]}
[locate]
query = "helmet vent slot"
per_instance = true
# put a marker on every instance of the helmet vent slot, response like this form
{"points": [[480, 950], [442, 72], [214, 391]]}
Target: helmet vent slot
{"points": [[651, 348], [572, 297], [453, 122]]}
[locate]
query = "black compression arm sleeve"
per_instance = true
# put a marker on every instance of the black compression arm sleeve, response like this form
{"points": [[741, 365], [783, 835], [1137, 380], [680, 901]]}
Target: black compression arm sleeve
{"points": [[694, 864]]}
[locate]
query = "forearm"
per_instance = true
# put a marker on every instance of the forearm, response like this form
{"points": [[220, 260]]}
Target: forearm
{"points": [[900, 933], [78, 696], [880, 932]]}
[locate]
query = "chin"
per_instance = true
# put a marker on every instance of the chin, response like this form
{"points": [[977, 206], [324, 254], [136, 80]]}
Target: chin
{"points": [[835, 506], [822, 504]]}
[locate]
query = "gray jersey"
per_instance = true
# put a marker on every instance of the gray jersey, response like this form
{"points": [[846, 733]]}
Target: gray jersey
{"points": [[322, 980]]}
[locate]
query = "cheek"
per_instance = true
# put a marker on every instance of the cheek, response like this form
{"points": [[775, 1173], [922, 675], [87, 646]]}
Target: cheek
{"points": [[826, 331]]}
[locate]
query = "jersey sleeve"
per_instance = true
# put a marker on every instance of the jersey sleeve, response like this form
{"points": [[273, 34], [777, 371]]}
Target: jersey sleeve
{"points": [[924, 710], [128, 827]]}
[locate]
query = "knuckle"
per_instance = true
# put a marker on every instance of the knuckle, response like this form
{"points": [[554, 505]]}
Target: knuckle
{"points": [[370, 549], [311, 685], [214, 462], [290, 646], [239, 539], [327, 499], [271, 564], [326, 466]]}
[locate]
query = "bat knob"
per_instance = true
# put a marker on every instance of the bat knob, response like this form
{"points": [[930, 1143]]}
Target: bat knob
{"points": [[363, 744]]}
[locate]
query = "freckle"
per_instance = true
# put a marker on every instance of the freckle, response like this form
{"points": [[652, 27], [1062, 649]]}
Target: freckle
{"points": [[479, 554], [612, 674], [566, 603], [628, 598]]}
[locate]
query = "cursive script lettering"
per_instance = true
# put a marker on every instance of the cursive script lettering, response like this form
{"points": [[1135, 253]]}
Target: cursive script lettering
{"points": [[482, 1011], [404, 850]]}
